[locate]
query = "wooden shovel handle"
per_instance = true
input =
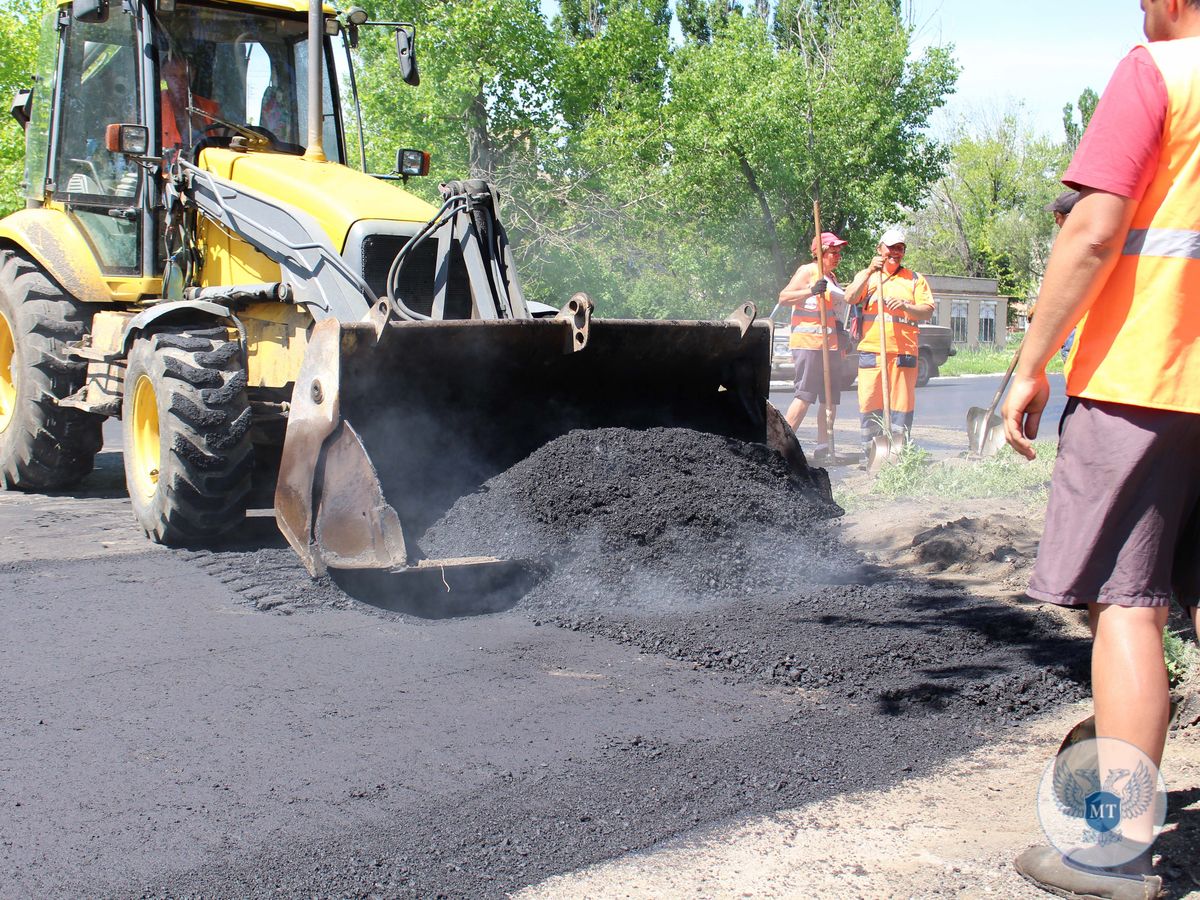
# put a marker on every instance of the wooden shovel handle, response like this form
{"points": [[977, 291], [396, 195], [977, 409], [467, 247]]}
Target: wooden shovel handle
{"points": [[824, 326], [1012, 367]]}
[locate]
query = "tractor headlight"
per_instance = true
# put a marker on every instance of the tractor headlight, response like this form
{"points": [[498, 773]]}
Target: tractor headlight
{"points": [[131, 139]]}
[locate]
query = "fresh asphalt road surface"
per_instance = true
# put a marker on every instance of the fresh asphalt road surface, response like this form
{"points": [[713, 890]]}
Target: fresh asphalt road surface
{"points": [[939, 424], [216, 723]]}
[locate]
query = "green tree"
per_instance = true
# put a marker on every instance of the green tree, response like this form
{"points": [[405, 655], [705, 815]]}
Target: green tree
{"points": [[486, 86], [1074, 129], [18, 47], [665, 180], [985, 218], [744, 156]]}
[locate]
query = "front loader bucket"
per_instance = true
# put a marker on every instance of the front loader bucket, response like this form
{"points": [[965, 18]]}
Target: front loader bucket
{"points": [[388, 429]]}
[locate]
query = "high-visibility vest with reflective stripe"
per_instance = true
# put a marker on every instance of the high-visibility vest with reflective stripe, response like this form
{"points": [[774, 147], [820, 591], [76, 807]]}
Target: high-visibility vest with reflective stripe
{"points": [[806, 318], [1139, 344], [906, 286]]}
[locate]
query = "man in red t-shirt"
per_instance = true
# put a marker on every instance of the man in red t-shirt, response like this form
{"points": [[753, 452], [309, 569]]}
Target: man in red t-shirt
{"points": [[1123, 521]]}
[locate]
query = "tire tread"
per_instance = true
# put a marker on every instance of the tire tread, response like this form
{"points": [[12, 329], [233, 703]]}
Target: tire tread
{"points": [[46, 446], [205, 422]]}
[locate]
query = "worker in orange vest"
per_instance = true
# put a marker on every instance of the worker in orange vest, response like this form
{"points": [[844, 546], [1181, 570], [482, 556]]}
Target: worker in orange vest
{"points": [[1123, 519], [895, 298], [805, 293], [176, 96]]}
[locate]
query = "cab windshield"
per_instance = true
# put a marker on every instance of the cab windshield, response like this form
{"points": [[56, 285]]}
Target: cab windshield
{"points": [[240, 67]]}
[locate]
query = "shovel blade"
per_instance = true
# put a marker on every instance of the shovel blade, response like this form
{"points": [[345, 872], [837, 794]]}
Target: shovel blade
{"points": [[985, 434], [884, 450]]}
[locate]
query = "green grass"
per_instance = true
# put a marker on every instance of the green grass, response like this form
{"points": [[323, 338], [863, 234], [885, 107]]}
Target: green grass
{"points": [[915, 476], [988, 362], [1180, 655]]}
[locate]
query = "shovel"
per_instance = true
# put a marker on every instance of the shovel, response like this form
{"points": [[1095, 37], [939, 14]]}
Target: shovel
{"points": [[833, 459], [985, 429], [884, 448]]}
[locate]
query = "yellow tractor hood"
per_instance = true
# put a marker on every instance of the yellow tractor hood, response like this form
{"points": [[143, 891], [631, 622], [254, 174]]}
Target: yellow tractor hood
{"points": [[335, 195]]}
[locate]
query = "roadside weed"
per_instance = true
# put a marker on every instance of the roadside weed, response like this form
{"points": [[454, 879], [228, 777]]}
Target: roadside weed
{"points": [[916, 476], [906, 476], [1180, 656]]}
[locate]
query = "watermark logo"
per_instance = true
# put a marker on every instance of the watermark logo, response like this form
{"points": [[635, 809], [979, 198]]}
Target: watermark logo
{"points": [[1102, 811], [1102, 802]]}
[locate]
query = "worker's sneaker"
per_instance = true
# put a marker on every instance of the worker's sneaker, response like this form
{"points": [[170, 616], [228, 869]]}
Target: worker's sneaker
{"points": [[1053, 872], [821, 454]]}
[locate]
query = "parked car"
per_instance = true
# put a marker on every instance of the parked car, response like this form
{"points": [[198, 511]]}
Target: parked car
{"points": [[933, 342]]}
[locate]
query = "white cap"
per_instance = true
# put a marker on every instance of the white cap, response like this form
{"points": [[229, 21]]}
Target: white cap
{"points": [[893, 236]]}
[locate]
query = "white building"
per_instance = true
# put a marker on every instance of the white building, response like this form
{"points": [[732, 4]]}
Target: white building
{"points": [[976, 314]]}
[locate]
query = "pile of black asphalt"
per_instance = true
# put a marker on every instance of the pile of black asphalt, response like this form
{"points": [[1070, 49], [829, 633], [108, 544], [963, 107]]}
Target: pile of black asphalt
{"points": [[708, 553], [709, 550]]}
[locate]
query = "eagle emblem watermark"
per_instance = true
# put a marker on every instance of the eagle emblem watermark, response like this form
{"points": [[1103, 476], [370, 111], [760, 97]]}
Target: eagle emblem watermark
{"points": [[1102, 802]]}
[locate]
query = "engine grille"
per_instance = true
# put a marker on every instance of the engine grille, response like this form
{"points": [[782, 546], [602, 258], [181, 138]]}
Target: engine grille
{"points": [[416, 278]]}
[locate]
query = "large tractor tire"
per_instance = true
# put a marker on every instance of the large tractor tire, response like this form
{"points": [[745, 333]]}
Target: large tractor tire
{"points": [[186, 424], [43, 446]]}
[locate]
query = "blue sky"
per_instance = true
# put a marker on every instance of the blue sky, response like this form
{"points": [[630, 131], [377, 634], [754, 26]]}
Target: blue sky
{"points": [[1041, 53]]}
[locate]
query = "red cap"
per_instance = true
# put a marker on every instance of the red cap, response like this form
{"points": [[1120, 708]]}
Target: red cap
{"points": [[829, 240]]}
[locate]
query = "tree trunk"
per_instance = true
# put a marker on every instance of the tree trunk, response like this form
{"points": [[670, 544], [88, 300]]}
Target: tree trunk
{"points": [[781, 271], [481, 153]]}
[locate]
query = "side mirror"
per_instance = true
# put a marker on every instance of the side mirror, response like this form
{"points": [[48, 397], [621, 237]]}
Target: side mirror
{"points": [[89, 11], [412, 162], [406, 39], [133, 140], [22, 107]]}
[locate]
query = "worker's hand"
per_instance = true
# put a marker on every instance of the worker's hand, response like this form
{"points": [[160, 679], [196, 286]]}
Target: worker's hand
{"points": [[819, 286], [1023, 411], [876, 265], [893, 304]]}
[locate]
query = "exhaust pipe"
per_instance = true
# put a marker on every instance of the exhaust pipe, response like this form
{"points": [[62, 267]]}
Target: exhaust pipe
{"points": [[316, 58]]}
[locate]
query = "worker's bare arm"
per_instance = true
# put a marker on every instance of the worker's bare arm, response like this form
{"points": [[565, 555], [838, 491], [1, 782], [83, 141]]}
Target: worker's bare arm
{"points": [[1084, 255], [799, 288]]}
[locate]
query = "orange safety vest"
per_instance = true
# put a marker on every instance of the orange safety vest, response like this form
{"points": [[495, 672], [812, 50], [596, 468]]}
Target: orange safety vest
{"points": [[169, 125], [806, 319], [906, 286], [1139, 344]]}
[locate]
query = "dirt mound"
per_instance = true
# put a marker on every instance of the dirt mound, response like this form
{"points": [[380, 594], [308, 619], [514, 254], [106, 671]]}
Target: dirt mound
{"points": [[969, 544]]}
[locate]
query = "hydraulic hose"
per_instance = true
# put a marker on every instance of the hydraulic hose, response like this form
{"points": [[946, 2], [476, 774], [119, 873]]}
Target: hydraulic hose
{"points": [[449, 209]]}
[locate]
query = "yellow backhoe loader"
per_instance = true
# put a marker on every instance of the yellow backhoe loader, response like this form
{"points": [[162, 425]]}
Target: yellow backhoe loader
{"points": [[199, 258]]}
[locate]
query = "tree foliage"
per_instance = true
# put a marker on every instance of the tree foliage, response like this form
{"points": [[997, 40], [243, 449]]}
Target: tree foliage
{"points": [[665, 178], [985, 218], [18, 48], [1074, 129], [670, 179]]}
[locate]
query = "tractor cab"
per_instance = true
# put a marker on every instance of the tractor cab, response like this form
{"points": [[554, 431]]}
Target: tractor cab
{"points": [[194, 75]]}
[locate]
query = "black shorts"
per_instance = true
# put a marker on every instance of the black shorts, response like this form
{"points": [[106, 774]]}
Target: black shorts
{"points": [[1123, 521], [810, 375]]}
